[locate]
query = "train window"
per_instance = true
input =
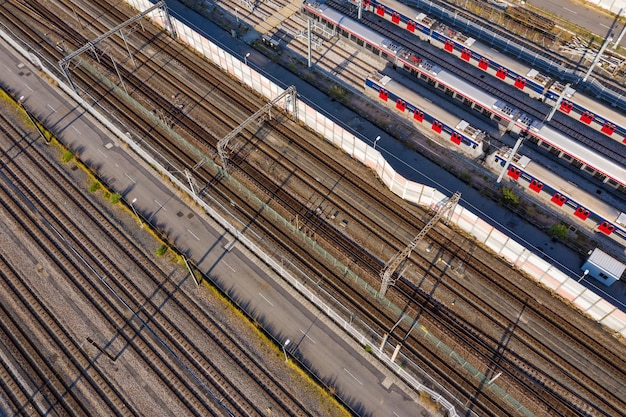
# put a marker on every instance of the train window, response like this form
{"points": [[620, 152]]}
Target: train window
{"points": [[599, 176], [611, 182], [497, 118], [359, 42], [567, 157], [589, 169], [353, 38], [467, 102], [533, 139], [577, 163], [555, 151], [368, 46], [545, 145]]}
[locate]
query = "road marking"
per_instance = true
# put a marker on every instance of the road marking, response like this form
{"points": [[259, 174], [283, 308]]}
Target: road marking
{"points": [[352, 376], [8, 69], [77, 131], [28, 86], [605, 26], [192, 234], [130, 178], [103, 154], [53, 109], [232, 269], [161, 206], [307, 336], [571, 11], [268, 301]]}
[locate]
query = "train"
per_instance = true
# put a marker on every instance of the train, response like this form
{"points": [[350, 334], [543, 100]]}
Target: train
{"points": [[534, 83], [470, 140], [609, 170]]}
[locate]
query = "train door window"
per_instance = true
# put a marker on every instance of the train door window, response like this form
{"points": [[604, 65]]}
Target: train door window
{"points": [[608, 128], [501, 73], [587, 117], [520, 82], [400, 105], [606, 228], [395, 17], [535, 185], [380, 10], [410, 26], [558, 199], [449, 46], [624, 141], [566, 106], [366, 3], [418, 115], [456, 138], [383, 94], [581, 212], [466, 54], [483, 64], [514, 172], [437, 126]]}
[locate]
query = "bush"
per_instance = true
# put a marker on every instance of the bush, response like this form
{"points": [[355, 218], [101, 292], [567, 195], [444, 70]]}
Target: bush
{"points": [[115, 198], [509, 197], [67, 156], [94, 187], [558, 230], [161, 250]]}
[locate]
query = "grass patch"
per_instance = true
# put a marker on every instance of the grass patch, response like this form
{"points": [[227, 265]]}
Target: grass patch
{"points": [[67, 156], [161, 250], [94, 187]]}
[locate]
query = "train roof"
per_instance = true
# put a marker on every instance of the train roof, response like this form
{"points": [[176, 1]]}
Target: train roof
{"points": [[474, 93], [354, 27], [582, 153]]}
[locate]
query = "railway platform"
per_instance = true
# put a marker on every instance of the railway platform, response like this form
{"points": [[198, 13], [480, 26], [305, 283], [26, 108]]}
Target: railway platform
{"points": [[273, 21]]}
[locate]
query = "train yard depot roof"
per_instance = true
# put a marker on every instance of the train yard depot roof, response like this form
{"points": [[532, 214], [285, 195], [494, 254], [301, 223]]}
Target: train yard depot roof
{"points": [[604, 267]]}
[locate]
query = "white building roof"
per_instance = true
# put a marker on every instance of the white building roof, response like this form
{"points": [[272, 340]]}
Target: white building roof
{"points": [[607, 263]]}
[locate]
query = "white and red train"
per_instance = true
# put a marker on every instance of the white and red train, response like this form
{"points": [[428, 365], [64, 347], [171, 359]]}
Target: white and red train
{"points": [[594, 114], [608, 170], [469, 140]]}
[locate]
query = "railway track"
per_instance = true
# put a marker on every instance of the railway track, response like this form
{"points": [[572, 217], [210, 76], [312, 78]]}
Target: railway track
{"points": [[243, 159], [172, 344]]}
